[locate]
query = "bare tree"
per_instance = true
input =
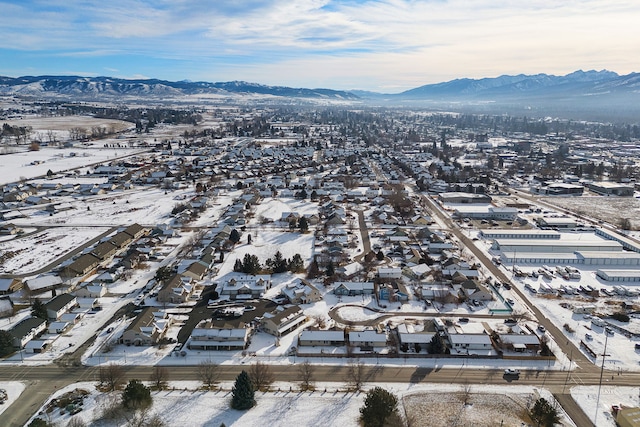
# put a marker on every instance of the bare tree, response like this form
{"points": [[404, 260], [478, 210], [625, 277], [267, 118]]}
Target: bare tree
{"points": [[111, 376], [305, 375], [159, 377], [465, 392], [521, 315], [143, 418], [355, 374], [209, 373], [261, 376], [76, 422]]}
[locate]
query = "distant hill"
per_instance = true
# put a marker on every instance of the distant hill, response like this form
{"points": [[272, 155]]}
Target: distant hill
{"points": [[579, 83], [96, 87], [581, 94]]}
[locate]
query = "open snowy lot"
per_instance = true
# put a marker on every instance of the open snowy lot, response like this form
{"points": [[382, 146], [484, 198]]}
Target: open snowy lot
{"points": [[587, 399], [30, 164], [25, 254], [608, 209], [423, 404]]}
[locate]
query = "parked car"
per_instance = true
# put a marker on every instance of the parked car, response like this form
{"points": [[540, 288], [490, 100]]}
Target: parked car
{"points": [[511, 372]]}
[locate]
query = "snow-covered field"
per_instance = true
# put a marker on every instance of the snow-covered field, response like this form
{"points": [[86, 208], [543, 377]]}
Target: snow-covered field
{"points": [[30, 164], [608, 209], [184, 404], [32, 252]]}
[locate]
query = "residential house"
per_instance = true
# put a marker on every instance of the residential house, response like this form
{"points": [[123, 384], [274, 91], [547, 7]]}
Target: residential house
{"points": [[148, 328], [301, 291], [83, 265], [6, 307], [177, 290], [412, 339], [196, 270], [26, 330], [283, 322], [520, 342], [91, 290], [207, 336], [8, 286], [104, 251], [368, 340], [121, 240], [59, 305], [353, 288], [42, 284], [469, 343], [246, 287], [472, 290], [136, 231], [389, 272], [58, 327], [321, 338]]}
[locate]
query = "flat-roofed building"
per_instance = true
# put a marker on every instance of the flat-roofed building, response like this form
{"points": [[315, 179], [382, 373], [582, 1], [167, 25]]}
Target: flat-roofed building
{"points": [[619, 275], [611, 189], [209, 336], [491, 234]]}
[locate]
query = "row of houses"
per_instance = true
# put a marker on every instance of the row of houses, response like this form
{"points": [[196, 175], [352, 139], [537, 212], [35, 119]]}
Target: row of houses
{"points": [[104, 251]]}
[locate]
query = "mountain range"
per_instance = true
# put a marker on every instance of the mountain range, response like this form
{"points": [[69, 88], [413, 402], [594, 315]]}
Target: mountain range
{"points": [[578, 91]]}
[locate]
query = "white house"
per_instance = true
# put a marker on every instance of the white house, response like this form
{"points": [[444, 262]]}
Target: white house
{"points": [[207, 336]]}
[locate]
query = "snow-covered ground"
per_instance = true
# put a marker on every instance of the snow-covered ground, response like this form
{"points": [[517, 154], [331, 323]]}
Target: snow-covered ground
{"points": [[330, 404], [30, 253], [587, 399], [13, 389]]}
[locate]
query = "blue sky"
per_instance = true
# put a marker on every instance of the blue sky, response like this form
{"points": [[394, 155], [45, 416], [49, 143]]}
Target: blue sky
{"points": [[382, 45]]}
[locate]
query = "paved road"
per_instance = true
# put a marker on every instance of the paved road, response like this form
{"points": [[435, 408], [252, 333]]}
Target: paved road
{"points": [[364, 233], [43, 380], [587, 371]]}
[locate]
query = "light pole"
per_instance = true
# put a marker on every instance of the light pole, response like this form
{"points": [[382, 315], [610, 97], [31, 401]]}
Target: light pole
{"points": [[568, 372], [604, 355]]}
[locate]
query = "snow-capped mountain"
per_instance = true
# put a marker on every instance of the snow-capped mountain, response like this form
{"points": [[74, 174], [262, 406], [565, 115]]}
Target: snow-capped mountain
{"points": [[105, 86]]}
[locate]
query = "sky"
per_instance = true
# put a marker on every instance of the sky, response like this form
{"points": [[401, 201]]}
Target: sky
{"points": [[381, 45]]}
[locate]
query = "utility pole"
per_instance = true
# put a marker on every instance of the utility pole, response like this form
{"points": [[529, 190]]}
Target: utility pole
{"points": [[568, 372], [604, 355]]}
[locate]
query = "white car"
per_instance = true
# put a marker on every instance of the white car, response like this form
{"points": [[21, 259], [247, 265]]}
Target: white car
{"points": [[510, 371]]}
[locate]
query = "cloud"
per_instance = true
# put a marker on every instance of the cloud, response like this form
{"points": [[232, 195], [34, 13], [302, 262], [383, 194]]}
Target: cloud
{"points": [[368, 41]]}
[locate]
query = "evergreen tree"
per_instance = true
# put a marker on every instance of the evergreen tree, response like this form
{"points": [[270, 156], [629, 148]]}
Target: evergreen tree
{"points": [[163, 273], [39, 310], [436, 345], [296, 264], [314, 270], [544, 414], [251, 264], [136, 395], [277, 264], [237, 266], [234, 236], [379, 405], [243, 394], [6, 343], [330, 270], [303, 224]]}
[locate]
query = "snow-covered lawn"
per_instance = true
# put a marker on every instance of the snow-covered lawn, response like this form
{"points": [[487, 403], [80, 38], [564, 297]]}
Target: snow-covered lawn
{"points": [[329, 405]]}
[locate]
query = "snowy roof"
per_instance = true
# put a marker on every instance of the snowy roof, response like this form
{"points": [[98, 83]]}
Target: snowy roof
{"points": [[42, 282], [322, 335], [469, 339]]}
